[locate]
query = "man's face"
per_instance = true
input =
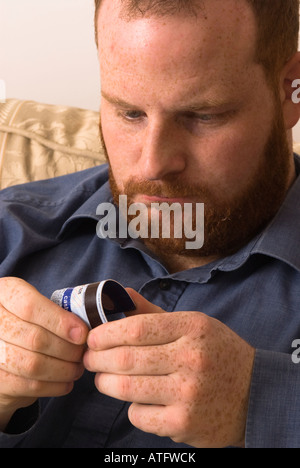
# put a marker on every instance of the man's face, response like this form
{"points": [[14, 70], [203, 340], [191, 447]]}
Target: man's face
{"points": [[187, 116]]}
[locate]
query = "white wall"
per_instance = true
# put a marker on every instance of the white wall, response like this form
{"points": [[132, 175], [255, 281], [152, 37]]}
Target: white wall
{"points": [[48, 54]]}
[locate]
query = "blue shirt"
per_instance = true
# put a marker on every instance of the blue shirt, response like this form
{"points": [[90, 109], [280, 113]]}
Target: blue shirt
{"points": [[48, 238]]}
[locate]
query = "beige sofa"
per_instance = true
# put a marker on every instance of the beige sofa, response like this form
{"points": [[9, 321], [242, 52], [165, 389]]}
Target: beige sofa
{"points": [[39, 141]]}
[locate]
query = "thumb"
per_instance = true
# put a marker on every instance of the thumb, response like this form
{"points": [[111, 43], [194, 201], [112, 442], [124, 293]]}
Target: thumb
{"points": [[143, 306]]}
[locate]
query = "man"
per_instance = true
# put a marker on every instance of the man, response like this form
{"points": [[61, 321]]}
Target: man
{"points": [[194, 110]]}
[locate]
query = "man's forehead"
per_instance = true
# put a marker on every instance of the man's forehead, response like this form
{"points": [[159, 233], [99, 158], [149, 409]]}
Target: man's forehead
{"points": [[132, 9], [237, 10], [220, 42], [228, 23]]}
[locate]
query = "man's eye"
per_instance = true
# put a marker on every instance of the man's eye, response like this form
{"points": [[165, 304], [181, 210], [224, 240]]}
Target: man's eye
{"points": [[132, 115], [201, 117], [214, 118], [206, 117]]}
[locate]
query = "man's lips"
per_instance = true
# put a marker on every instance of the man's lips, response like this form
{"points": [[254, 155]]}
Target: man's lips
{"points": [[147, 199]]}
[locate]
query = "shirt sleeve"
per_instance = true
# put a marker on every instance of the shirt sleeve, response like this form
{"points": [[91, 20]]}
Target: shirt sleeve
{"points": [[274, 406], [20, 426]]}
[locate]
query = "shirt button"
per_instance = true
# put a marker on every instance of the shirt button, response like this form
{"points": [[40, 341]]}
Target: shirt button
{"points": [[164, 284]]}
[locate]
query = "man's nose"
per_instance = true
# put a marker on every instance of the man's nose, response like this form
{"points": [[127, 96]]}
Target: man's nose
{"points": [[163, 151]]}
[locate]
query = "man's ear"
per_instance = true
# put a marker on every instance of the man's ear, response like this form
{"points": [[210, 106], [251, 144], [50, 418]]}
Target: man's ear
{"points": [[290, 91]]}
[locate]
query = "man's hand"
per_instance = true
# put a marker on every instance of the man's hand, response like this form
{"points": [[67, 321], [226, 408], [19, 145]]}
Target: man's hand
{"points": [[41, 347], [188, 375]]}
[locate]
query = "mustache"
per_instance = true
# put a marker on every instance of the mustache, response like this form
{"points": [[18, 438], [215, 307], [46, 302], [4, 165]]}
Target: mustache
{"points": [[165, 189]]}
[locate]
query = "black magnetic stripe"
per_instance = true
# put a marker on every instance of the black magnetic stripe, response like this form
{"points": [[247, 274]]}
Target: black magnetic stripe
{"points": [[90, 303]]}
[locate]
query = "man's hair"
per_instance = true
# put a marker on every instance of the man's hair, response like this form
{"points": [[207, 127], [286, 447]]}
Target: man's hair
{"points": [[277, 20]]}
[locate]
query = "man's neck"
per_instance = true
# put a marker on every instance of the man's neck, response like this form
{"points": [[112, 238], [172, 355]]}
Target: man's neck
{"points": [[175, 263]]}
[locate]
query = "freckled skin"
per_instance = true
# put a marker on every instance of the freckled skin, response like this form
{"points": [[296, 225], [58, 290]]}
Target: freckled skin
{"points": [[161, 67], [38, 356], [187, 375]]}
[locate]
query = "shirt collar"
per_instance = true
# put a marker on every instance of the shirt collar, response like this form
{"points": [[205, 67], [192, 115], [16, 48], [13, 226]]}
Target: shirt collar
{"points": [[281, 238], [278, 239], [95, 190]]}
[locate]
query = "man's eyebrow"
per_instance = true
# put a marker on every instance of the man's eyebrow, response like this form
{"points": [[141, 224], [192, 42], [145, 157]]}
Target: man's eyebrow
{"points": [[116, 101], [202, 106], [207, 104]]}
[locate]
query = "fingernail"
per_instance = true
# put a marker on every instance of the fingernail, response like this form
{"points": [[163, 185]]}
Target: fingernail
{"points": [[75, 334], [91, 341]]}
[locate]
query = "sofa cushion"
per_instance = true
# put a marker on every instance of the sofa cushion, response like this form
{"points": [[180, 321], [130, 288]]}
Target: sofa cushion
{"points": [[40, 141]]}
